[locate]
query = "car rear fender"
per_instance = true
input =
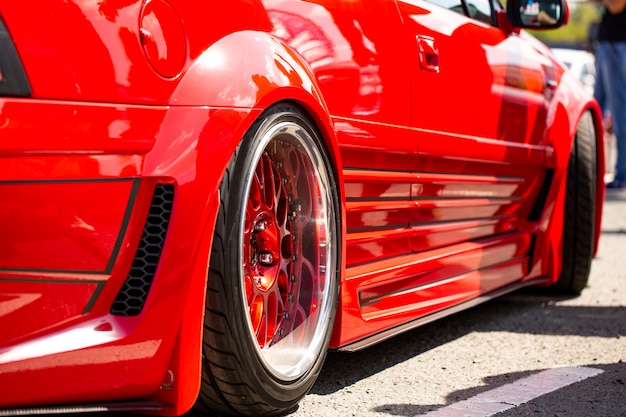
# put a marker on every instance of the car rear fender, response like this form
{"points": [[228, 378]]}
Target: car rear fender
{"points": [[254, 70], [241, 75]]}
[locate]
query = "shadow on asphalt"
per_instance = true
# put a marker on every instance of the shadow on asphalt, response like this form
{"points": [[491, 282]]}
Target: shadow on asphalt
{"points": [[522, 312], [567, 401], [615, 195]]}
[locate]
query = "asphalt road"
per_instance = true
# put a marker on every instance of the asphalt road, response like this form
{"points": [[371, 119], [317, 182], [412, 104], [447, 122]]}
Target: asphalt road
{"points": [[528, 353]]}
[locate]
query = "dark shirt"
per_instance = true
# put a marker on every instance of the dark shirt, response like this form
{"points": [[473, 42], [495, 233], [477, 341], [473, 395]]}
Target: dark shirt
{"points": [[612, 27]]}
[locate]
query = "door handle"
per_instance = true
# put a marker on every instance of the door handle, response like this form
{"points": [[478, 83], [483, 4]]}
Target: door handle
{"points": [[428, 53]]}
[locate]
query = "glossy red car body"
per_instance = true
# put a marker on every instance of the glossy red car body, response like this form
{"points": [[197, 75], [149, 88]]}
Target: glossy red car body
{"points": [[449, 139]]}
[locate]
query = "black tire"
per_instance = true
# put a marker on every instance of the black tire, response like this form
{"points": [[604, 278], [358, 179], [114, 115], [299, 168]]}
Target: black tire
{"points": [[274, 270], [579, 215]]}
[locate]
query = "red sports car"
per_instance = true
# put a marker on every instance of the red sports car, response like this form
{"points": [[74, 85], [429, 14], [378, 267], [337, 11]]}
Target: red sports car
{"points": [[199, 198]]}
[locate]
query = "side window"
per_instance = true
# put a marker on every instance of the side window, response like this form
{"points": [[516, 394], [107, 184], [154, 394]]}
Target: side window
{"points": [[479, 10], [476, 9], [454, 5]]}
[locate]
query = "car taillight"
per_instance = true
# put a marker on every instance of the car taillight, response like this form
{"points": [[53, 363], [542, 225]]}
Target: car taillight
{"points": [[13, 81]]}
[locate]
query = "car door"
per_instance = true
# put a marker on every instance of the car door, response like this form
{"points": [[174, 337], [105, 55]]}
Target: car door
{"points": [[479, 102]]}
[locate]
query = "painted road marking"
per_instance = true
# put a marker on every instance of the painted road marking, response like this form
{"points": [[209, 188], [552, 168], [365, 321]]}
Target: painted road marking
{"points": [[519, 392]]}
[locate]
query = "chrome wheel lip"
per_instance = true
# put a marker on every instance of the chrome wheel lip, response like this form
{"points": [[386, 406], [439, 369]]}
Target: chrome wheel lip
{"points": [[289, 359]]}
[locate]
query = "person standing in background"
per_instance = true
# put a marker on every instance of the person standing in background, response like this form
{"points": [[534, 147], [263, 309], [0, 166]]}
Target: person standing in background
{"points": [[610, 88]]}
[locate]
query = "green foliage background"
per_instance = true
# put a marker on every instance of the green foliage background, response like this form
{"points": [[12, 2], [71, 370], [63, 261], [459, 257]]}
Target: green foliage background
{"points": [[578, 31]]}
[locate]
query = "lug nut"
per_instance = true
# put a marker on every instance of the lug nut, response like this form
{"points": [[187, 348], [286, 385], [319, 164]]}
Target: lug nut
{"points": [[260, 226], [266, 258]]}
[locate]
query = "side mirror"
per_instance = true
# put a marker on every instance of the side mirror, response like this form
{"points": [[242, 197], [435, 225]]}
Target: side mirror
{"points": [[537, 14]]}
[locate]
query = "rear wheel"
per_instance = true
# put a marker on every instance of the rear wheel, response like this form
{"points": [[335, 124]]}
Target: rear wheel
{"points": [[273, 279], [578, 230]]}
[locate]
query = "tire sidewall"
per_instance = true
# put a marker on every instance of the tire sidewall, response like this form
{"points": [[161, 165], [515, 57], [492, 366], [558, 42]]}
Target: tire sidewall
{"points": [[274, 390], [579, 210]]}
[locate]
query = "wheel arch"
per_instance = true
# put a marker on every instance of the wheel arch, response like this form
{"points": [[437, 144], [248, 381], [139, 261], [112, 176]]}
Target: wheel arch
{"points": [[255, 70], [231, 83], [571, 104]]}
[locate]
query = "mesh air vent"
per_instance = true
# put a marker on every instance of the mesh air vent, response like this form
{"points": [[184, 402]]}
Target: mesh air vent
{"points": [[132, 296]]}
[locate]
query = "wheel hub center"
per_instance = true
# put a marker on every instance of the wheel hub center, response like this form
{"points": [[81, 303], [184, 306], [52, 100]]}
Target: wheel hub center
{"points": [[265, 250], [266, 259]]}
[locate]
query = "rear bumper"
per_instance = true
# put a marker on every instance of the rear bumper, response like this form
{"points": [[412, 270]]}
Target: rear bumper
{"points": [[73, 200], [80, 186]]}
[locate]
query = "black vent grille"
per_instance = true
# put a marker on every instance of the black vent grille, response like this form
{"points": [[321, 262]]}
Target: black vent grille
{"points": [[132, 297], [540, 202]]}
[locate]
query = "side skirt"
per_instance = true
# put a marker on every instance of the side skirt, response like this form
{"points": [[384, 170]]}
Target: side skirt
{"points": [[384, 335]]}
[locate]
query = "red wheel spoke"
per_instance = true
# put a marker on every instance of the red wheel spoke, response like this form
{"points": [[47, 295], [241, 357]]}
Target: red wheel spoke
{"points": [[284, 241]]}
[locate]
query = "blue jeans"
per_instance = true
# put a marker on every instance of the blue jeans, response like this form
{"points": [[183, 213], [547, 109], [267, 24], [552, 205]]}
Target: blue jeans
{"points": [[610, 91]]}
